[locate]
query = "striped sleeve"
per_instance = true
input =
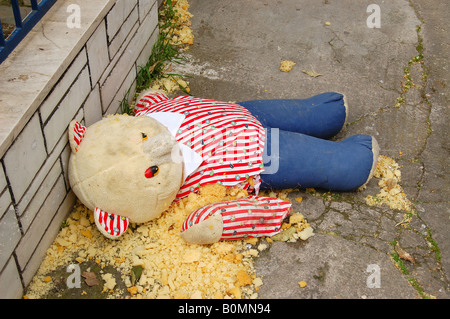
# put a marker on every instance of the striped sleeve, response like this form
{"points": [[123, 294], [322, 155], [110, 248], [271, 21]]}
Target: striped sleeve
{"points": [[249, 217]]}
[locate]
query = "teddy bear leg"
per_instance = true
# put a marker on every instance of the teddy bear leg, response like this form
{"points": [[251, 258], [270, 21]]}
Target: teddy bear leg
{"points": [[308, 162], [322, 115], [149, 97]]}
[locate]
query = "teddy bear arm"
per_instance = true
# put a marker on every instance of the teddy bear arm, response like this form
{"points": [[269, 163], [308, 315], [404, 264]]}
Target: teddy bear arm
{"points": [[247, 217]]}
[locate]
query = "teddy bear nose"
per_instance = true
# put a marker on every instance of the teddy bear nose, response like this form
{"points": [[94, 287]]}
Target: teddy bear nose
{"points": [[151, 171]]}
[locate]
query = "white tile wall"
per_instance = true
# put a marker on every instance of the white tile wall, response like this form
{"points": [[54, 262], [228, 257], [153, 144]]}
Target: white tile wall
{"points": [[22, 206], [118, 15], [59, 122], [92, 109], [144, 8], [5, 201], [63, 85], [31, 239], [10, 278], [128, 83], [143, 58], [97, 51], [24, 158], [65, 164], [9, 235], [39, 196], [118, 55], [124, 32], [115, 79], [3, 182], [48, 238], [35, 195]]}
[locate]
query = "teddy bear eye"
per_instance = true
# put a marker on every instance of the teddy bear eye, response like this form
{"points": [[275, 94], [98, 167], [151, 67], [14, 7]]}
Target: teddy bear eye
{"points": [[144, 136], [151, 171]]}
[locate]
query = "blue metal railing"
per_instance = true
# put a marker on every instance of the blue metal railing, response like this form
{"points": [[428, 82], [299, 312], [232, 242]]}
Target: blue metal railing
{"points": [[23, 25]]}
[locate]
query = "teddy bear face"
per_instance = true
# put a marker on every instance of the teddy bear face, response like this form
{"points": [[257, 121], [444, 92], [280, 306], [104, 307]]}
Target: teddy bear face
{"points": [[126, 165]]}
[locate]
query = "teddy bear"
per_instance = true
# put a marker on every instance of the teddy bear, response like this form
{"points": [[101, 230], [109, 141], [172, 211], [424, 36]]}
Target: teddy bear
{"points": [[130, 169]]}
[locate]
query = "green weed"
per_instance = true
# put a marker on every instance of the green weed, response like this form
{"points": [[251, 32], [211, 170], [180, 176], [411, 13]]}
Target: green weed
{"points": [[163, 52]]}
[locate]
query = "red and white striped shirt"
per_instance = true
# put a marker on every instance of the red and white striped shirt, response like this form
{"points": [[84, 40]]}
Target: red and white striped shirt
{"points": [[226, 136]]}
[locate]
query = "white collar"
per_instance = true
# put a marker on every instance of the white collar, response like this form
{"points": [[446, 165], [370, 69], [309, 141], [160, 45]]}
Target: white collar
{"points": [[173, 122]]}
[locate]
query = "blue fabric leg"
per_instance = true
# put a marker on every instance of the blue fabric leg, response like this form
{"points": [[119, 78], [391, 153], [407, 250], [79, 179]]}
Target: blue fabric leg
{"points": [[322, 116], [305, 161]]}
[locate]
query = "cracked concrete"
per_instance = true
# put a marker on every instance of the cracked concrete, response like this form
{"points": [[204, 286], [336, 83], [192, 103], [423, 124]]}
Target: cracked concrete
{"points": [[237, 51]]}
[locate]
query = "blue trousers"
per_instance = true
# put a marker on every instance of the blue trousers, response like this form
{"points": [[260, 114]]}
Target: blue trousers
{"points": [[297, 151]]}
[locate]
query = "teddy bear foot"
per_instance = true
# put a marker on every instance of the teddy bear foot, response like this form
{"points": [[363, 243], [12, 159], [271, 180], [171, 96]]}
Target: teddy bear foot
{"points": [[111, 226]]}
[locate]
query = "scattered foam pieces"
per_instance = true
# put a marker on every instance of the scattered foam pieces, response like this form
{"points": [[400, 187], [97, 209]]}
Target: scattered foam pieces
{"points": [[297, 227], [133, 290], [183, 33], [286, 65], [243, 278], [191, 256], [302, 284], [257, 282], [296, 218], [110, 282], [170, 84], [236, 292], [391, 193], [182, 37], [306, 233], [262, 247], [171, 268]]}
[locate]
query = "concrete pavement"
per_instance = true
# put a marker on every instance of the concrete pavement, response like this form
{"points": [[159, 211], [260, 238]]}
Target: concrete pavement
{"points": [[396, 82]]}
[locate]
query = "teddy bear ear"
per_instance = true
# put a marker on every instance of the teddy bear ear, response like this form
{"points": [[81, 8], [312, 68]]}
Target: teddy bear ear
{"points": [[76, 134], [110, 225]]}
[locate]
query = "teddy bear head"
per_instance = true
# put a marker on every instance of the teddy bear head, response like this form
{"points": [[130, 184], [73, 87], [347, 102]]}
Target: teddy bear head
{"points": [[124, 165]]}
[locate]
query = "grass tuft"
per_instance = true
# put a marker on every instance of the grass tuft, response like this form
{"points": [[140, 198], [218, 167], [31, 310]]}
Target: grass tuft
{"points": [[164, 51]]}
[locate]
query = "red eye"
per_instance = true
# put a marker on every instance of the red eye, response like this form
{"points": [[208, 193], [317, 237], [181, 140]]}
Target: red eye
{"points": [[151, 171]]}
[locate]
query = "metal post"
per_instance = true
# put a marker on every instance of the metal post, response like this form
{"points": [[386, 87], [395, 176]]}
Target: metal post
{"points": [[2, 36], [34, 5], [23, 26], [17, 15]]}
